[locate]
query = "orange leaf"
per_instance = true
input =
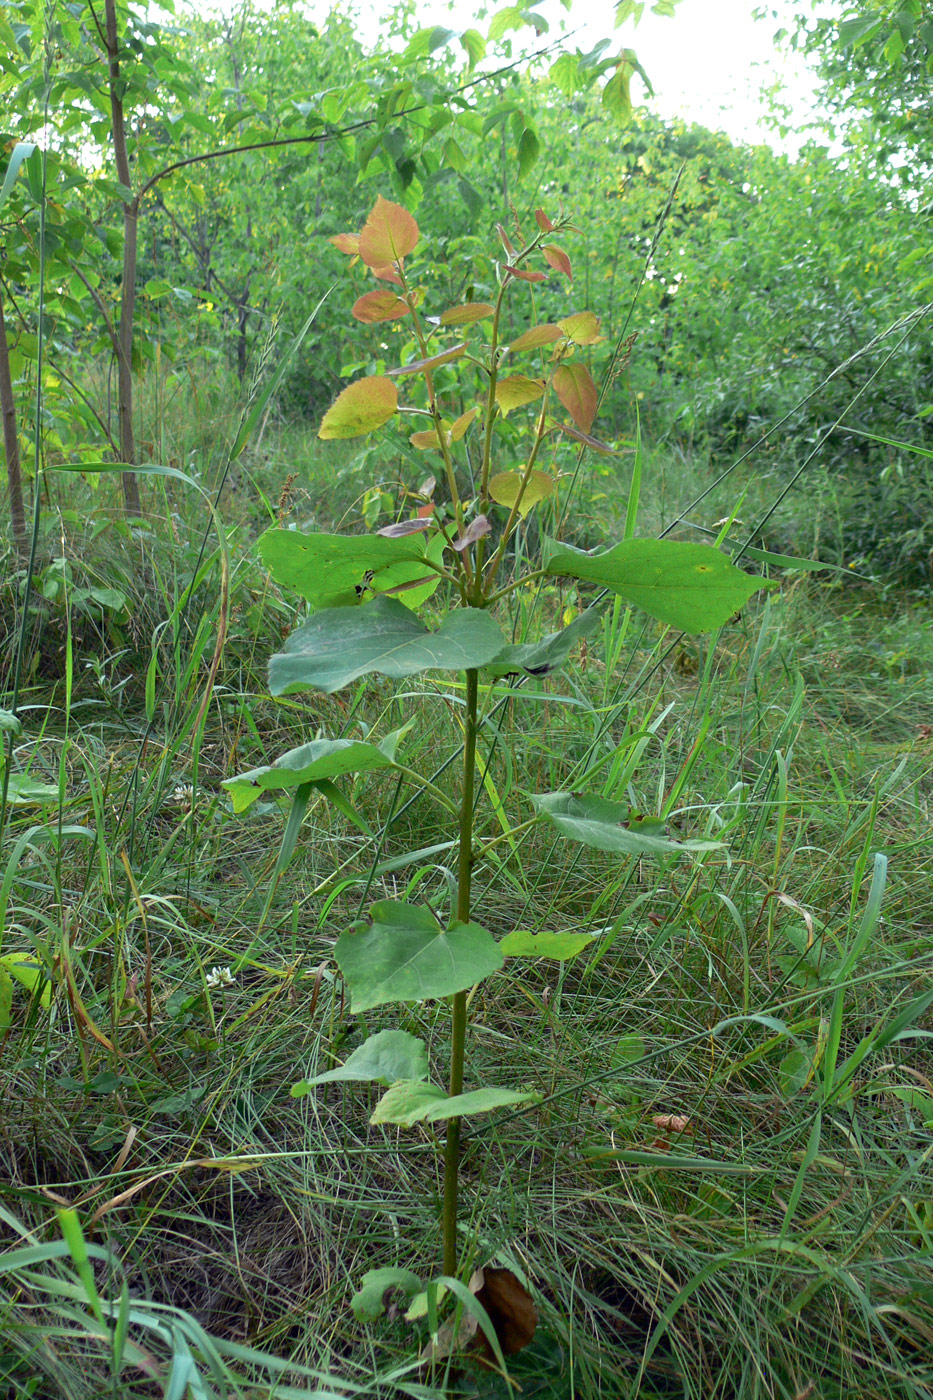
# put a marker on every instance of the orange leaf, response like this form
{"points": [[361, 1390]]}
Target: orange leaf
{"points": [[523, 274], [387, 274], [346, 242], [558, 259], [388, 234], [573, 385], [468, 313], [380, 306], [537, 336], [516, 390], [582, 327], [360, 409], [543, 222]]}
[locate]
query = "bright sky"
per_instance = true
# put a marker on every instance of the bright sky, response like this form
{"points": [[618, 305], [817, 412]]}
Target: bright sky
{"points": [[707, 64]]}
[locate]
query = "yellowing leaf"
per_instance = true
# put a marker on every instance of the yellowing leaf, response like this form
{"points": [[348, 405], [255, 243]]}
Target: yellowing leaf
{"points": [[388, 235], [504, 488], [556, 257], [424, 441], [537, 336], [360, 409], [380, 306], [573, 385], [582, 327], [463, 422], [517, 389], [468, 313]]}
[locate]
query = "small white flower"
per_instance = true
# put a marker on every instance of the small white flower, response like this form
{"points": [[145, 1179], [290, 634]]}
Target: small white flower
{"points": [[219, 977], [183, 795]]}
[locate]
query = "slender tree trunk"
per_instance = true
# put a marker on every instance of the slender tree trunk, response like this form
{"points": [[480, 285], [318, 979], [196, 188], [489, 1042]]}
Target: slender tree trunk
{"points": [[11, 445], [128, 286]]}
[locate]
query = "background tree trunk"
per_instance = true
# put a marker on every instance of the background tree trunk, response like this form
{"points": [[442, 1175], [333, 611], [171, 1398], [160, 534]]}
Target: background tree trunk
{"points": [[11, 445], [128, 286]]}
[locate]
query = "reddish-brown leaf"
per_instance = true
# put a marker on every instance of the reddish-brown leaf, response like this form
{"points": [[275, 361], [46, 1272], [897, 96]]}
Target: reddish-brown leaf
{"points": [[468, 313], [506, 240], [380, 306], [476, 529], [401, 528], [573, 385], [524, 274], [543, 222], [388, 235], [558, 259], [511, 1310], [347, 243]]}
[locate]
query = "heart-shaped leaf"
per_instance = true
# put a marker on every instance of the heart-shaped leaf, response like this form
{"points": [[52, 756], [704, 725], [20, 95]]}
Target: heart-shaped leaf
{"points": [[609, 826], [541, 943], [382, 1059], [504, 488], [322, 758], [335, 571], [547, 655], [360, 409], [689, 586], [403, 955], [340, 644], [411, 1102]]}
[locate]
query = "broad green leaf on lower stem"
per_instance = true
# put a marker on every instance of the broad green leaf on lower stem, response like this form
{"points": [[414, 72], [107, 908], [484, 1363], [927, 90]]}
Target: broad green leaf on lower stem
{"points": [[340, 644], [368, 1303], [382, 1059], [410, 1101], [504, 489], [322, 758], [403, 955], [29, 972], [541, 658], [689, 586], [609, 826], [23, 791], [336, 571], [542, 943]]}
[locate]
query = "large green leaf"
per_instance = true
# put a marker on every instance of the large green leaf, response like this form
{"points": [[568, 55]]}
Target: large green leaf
{"points": [[368, 1302], [382, 1059], [340, 644], [404, 956], [335, 571], [322, 758], [541, 658], [609, 826], [410, 1101], [542, 943], [690, 586]]}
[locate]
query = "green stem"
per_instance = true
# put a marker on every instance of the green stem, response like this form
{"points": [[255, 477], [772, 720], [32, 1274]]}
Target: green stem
{"points": [[459, 1003]]}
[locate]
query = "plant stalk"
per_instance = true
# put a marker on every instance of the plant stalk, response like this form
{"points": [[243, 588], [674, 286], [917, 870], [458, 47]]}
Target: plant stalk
{"points": [[459, 1002]]}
